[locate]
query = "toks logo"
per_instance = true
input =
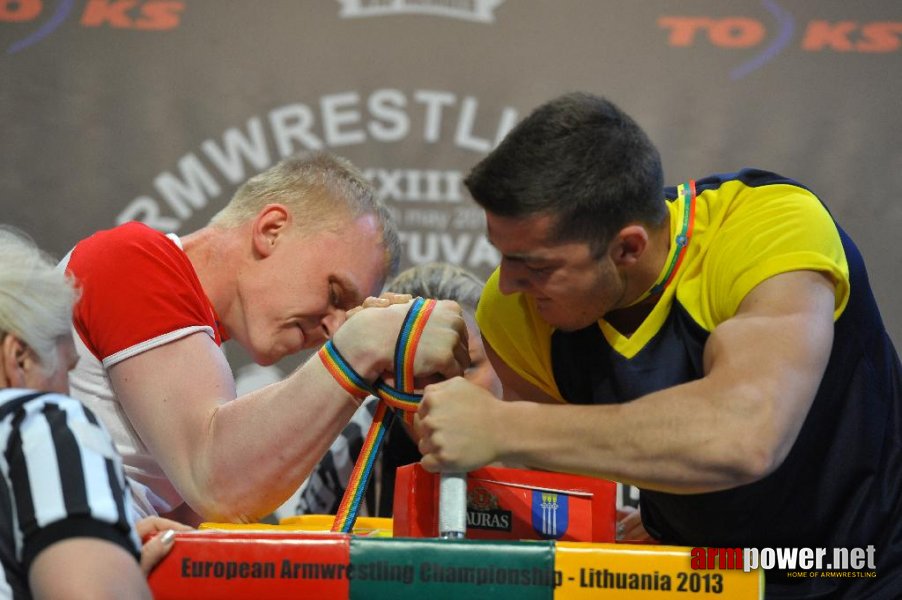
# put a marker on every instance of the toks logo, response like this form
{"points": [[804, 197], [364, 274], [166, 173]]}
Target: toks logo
{"points": [[152, 15], [745, 32]]}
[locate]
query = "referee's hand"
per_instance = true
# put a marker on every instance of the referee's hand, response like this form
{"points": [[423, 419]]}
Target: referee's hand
{"points": [[158, 535]]}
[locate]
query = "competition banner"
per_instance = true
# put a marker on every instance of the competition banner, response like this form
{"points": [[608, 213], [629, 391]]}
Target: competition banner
{"points": [[642, 572], [243, 564]]}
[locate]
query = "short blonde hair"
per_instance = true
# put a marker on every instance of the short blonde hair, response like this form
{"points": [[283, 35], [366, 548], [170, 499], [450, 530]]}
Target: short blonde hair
{"points": [[36, 296], [323, 192]]}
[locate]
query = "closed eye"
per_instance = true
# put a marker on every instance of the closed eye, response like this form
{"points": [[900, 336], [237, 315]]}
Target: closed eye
{"points": [[343, 294]]}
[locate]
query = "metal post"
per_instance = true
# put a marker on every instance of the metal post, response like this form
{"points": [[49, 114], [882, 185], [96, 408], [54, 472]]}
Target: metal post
{"points": [[452, 506]]}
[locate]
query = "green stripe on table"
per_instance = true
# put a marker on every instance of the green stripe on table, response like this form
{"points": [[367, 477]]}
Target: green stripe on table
{"points": [[431, 569]]}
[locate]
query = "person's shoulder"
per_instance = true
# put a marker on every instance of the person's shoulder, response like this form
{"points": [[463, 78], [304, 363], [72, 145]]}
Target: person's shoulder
{"points": [[23, 395], [747, 177], [751, 192], [27, 403], [131, 234], [123, 251]]}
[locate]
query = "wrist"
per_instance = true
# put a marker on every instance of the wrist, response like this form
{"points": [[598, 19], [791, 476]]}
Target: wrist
{"points": [[511, 448], [343, 373]]}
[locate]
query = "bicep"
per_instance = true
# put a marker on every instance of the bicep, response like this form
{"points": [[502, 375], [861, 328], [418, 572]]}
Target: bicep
{"points": [[514, 386], [86, 568], [774, 351], [170, 394]]}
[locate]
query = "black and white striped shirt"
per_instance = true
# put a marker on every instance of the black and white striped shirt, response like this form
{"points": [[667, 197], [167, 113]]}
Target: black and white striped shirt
{"points": [[61, 478]]}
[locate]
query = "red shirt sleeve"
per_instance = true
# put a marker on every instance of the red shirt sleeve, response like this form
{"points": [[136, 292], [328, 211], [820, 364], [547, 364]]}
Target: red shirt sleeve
{"points": [[138, 291]]}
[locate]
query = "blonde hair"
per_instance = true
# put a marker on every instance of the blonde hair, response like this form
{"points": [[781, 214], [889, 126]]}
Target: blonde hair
{"points": [[36, 296], [322, 191]]}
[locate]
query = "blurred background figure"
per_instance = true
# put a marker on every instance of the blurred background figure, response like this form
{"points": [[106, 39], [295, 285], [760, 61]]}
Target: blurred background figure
{"points": [[321, 493]]}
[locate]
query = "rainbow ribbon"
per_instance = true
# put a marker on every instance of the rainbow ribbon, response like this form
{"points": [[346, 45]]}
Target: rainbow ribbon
{"points": [[342, 371], [688, 193], [402, 398]]}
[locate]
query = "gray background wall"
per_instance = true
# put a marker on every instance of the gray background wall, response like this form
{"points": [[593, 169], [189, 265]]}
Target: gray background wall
{"points": [[157, 109]]}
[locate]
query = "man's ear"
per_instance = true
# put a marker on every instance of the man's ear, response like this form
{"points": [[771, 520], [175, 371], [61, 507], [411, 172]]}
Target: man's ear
{"points": [[629, 245], [273, 221], [15, 359]]}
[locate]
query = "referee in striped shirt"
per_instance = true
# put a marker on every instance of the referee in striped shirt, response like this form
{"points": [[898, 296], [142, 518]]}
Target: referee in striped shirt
{"points": [[66, 526]]}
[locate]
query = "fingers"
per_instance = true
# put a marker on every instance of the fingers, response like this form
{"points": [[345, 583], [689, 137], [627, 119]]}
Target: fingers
{"points": [[155, 549], [444, 345], [629, 525], [453, 426], [429, 436], [160, 535], [386, 299], [394, 298], [429, 463], [368, 340], [149, 526], [382, 301]]}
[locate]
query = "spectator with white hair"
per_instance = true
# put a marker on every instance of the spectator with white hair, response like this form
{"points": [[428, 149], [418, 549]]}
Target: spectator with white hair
{"points": [[66, 524]]}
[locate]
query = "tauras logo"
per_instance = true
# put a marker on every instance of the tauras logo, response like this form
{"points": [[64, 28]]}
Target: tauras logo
{"points": [[483, 511], [497, 520], [480, 11]]}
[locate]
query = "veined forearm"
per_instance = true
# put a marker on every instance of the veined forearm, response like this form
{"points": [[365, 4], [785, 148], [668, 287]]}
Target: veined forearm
{"points": [[672, 441], [263, 445]]}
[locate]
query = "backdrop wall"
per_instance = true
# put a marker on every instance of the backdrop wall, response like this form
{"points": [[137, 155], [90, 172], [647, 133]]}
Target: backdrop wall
{"points": [[156, 110]]}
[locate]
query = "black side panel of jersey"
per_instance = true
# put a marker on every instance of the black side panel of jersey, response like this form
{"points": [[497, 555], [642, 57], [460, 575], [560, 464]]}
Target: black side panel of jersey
{"points": [[841, 483]]}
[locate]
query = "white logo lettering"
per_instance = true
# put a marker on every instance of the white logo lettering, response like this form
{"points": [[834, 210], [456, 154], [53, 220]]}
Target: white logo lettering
{"points": [[480, 11]]}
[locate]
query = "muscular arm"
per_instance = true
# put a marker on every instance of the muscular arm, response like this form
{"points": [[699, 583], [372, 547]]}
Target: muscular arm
{"points": [[86, 568], [236, 459], [733, 426], [514, 387]]}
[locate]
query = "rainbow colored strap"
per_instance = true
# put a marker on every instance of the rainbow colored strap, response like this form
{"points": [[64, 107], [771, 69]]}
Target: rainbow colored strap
{"points": [[342, 371], [403, 399], [687, 192]]}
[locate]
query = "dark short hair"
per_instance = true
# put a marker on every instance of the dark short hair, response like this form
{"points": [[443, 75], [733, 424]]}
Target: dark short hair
{"points": [[580, 159]]}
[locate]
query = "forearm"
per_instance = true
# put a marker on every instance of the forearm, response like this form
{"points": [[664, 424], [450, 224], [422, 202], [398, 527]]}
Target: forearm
{"points": [[681, 440], [236, 459], [260, 447]]}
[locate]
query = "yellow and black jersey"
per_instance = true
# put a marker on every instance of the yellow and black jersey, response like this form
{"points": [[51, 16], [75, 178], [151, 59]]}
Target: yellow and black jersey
{"points": [[739, 233], [841, 484]]}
